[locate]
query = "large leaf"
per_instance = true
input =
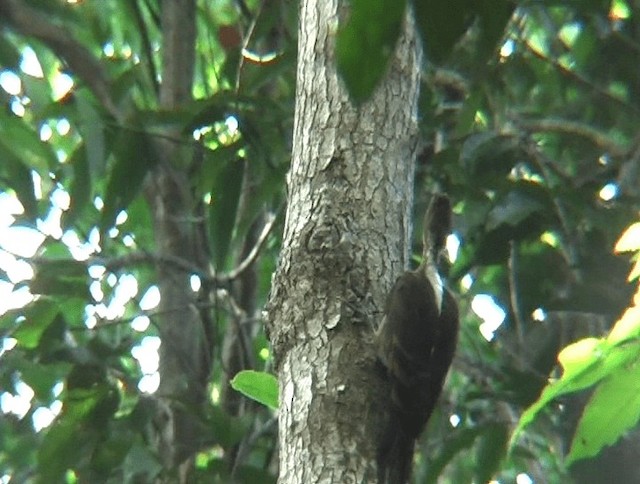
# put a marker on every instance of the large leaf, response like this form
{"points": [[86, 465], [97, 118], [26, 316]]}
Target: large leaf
{"points": [[585, 363], [9, 54], [626, 328], [493, 18], [227, 430], [442, 23], [491, 449], [489, 155], [141, 465], [67, 278], [63, 446], [37, 318], [225, 198], [16, 176], [457, 442], [80, 192], [58, 274], [42, 378], [614, 408], [19, 138], [71, 439], [257, 385], [365, 44], [213, 109], [134, 157], [91, 125], [515, 208]]}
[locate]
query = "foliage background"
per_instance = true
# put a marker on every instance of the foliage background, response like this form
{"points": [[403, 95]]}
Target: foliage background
{"points": [[529, 121]]}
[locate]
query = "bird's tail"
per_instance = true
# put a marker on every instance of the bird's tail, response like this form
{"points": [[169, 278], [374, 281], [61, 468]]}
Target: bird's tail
{"points": [[395, 458]]}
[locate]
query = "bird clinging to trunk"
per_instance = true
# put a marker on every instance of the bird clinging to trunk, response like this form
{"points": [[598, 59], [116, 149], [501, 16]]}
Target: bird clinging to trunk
{"points": [[415, 343]]}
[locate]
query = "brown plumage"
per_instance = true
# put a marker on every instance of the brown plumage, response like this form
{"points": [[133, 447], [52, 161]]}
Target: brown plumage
{"points": [[415, 344]]}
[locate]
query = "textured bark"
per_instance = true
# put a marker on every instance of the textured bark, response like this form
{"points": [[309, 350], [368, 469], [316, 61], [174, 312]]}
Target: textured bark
{"points": [[345, 240], [184, 350]]}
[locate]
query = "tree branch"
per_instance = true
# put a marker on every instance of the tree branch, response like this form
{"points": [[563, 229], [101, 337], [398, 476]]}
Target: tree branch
{"points": [[253, 254], [566, 126], [31, 22], [578, 78], [144, 257]]}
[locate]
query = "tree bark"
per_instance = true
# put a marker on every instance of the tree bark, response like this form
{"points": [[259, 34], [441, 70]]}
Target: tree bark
{"points": [[185, 358], [345, 240]]}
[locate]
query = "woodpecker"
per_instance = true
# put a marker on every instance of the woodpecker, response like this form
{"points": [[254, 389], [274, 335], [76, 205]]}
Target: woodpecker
{"points": [[415, 344]]}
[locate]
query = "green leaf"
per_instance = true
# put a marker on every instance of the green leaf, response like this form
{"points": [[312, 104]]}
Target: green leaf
{"points": [[578, 356], [37, 318], [59, 450], [489, 154], [257, 385], [459, 440], [91, 126], [16, 176], [42, 378], [227, 430], [58, 274], [627, 327], [66, 278], [213, 109], [134, 158], [225, 199], [515, 208], [141, 465], [9, 54], [491, 450], [24, 143], [614, 408], [80, 193], [72, 438], [112, 452], [366, 43], [585, 363], [494, 16], [442, 23]]}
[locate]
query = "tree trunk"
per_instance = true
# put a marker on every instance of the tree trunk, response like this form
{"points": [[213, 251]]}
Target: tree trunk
{"points": [[185, 358], [345, 240]]}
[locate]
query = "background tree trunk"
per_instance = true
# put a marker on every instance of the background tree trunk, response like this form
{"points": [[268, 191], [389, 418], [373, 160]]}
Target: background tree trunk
{"points": [[345, 240], [185, 359]]}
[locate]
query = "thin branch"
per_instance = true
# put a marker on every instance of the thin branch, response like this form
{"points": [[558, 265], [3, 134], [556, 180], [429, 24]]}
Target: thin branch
{"points": [[547, 167], [144, 257], [514, 292], [578, 78], [225, 300], [565, 126], [245, 44], [253, 254], [250, 440], [146, 45], [221, 295]]}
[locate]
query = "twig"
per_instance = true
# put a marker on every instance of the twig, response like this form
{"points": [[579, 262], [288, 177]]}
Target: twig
{"points": [[249, 441], [565, 126], [514, 293], [144, 257], [251, 257], [146, 45], [578, 78], [546, 166]]}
